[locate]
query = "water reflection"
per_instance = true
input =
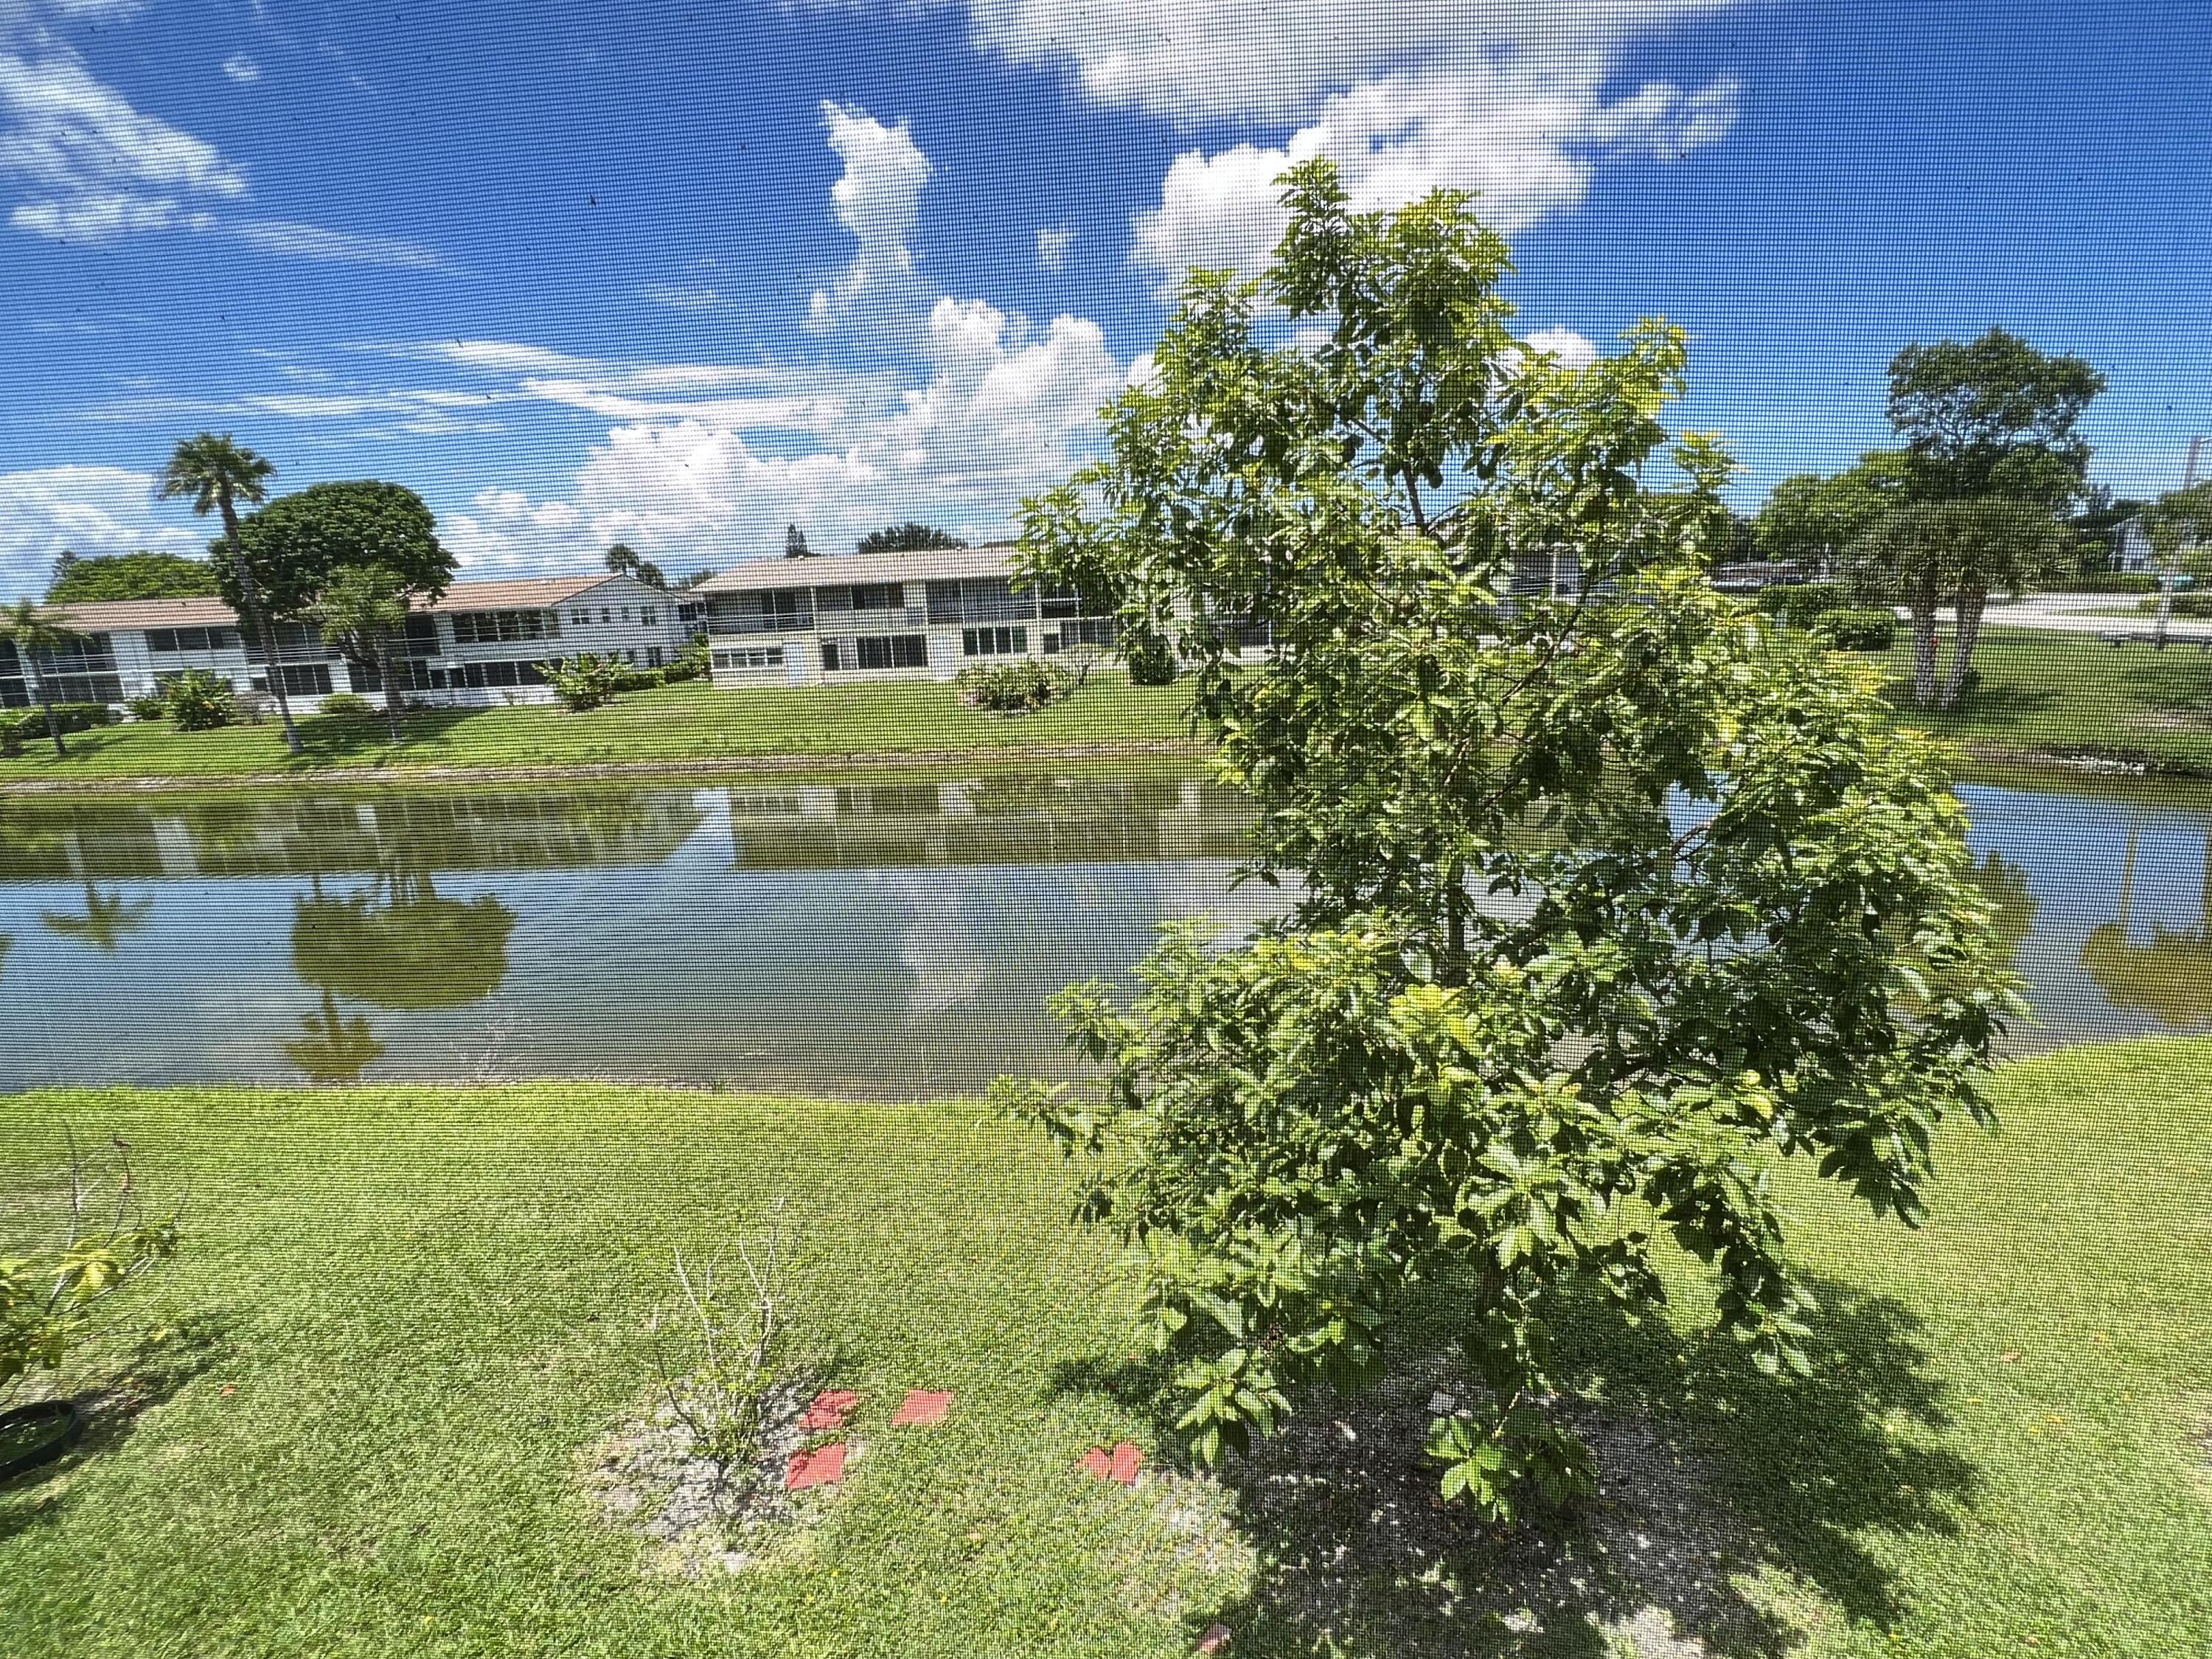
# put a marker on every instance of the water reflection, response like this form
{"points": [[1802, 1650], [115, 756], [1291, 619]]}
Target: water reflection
{"points": [[885, 936], [2168, 975]]}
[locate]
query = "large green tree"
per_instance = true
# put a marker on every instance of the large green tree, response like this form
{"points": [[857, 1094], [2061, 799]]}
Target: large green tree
{"points": [[626, 561], [2179, 525], [1609, 902], [38, 638], [911, 537], [1993, 460], [130, 576], [1814, 519], [342, 553], [215, 473]]}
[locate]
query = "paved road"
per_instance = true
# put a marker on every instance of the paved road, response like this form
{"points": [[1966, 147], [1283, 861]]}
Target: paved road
{"points": [[2090, 613]]}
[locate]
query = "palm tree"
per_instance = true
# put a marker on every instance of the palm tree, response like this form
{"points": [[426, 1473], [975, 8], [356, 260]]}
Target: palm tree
{"points": [[107, 917], [38, 635], [217, 473]]}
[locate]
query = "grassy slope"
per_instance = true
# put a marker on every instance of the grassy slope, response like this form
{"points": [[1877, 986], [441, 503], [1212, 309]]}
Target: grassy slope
{"points": [[673, 724], [427, 1299], [2043, 690]]}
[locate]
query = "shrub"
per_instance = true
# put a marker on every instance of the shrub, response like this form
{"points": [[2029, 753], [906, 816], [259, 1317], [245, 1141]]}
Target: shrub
{"points": [[1151, 658], [31, 724], [151, 707], [1857, 630], [200, 700], [347, 705], [50, 1288], [1801, 604], [695, 663], [1014, 688], [2107, 581], [585, 682]]}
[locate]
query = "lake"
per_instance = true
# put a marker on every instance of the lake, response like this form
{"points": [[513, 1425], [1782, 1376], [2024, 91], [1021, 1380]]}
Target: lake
{"points": [[879, 937]]}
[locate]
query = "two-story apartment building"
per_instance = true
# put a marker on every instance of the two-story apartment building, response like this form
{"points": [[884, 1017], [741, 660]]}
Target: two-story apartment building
{"points": [[878, 616], [480, 644]]}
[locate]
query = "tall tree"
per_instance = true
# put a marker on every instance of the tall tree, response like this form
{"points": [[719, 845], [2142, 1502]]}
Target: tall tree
{"points": [[908, 537], [35, 634], [131, 576], [362, 609], [1607, 904], [794, 543], [1992, 458], [1993, 416], [215, 473], [313, 544], [625, 561]]}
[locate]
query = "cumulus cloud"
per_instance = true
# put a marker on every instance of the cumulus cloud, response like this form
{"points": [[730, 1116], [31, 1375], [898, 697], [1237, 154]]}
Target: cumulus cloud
{"points": [[1512, 98], [1053, 244], [90, 510], [710, 462], [878, 199]]}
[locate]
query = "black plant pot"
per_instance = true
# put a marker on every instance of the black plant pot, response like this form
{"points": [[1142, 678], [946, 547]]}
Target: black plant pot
{"points": [[35, 1434]]}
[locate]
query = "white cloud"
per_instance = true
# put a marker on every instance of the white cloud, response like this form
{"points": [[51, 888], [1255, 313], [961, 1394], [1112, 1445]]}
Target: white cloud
{"points": [[92, 168], [878, 200], [1198, 60], [1527, 145], [314, 242], [1573, 350], [90, 510], [678, 297], [1053, 244]]}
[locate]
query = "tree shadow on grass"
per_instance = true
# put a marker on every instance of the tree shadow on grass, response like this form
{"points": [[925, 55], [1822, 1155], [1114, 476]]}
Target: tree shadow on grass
{"points": [[1725, 1496], [114, 1393]]}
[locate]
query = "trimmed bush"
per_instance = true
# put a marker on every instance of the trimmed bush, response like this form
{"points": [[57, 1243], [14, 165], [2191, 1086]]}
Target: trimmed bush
{"points": [[2107, 581], [151, 707], [29, 725], [347, 705], [200, 700], [1014, 688], [1857, 629], [1150, 658], [695, 663], [586, 682]]}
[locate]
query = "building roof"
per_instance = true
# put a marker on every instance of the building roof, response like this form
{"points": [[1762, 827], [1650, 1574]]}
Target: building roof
{"points": [[514, 593], [104, 616], [932, 564]]}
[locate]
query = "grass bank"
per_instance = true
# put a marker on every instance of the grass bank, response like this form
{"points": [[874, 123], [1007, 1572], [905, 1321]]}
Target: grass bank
{"points": [[669, 728], [2048, 694], [408, 1307]]}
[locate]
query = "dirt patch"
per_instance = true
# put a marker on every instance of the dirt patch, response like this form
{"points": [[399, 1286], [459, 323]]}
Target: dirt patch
{"points": [[693, 1515], [1353, 1536]]}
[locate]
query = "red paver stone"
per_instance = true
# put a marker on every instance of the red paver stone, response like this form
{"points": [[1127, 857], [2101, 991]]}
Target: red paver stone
{"points": [[830, 1410], [921, 1409], [1096, 1462], [1128, 1458], [823, 1467]]}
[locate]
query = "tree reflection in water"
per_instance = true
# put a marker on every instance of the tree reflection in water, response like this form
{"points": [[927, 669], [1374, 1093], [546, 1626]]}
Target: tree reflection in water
{"points": [[335, 1049], [397, 944], [2170, 976], [107, 917]]}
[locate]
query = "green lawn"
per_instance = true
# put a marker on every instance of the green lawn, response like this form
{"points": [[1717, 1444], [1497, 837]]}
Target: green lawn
{"points": [[2043, 691], [676, 725], [410, 1307]]}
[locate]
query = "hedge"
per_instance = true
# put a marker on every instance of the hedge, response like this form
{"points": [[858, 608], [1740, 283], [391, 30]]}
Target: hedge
{"points": [[1801, 604], [1857, 629]]}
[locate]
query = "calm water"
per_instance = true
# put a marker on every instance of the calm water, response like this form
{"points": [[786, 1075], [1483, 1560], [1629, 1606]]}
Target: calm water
{"points": [[868, 937]]}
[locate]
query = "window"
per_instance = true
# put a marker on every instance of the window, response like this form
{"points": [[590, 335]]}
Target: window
{"points": [[581, 618], [995, 641], [625, 613], [653, 656], [302, 679], [165, 640], [750, 657], [606, 616], [80, 671], [1094, 630], [876, 651], [879, 596], [980, 599], [650, 614], [504, 627], [420, 638]]}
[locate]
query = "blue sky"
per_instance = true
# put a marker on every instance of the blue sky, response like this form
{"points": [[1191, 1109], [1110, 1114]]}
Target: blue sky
{"points": [[679, 274]]}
